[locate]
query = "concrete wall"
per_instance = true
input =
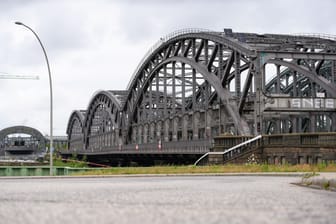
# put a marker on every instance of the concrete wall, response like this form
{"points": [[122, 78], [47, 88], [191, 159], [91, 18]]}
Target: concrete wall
{"points": [[302, 148]]}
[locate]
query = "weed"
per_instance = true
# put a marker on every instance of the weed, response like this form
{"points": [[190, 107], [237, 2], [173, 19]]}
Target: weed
{"points": [[309, 175], [326, 185]]}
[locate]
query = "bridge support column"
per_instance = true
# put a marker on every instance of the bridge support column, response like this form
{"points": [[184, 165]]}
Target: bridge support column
{"points": [[185, 120], [120, 139], [333, 122], [312, 123], [223, 120], [299, 120], [151, 132], [196, 120], [166, 130], [329, 124], [333, 71], [145, 134], [116, 136], [139, 134], [112, 138], [258, 83], [175, 128], [277, 126], [134, 134], [294, 124], [158, 130], [208, 123]]}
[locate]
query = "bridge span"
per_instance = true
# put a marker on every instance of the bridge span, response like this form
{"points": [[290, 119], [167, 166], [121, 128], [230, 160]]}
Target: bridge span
{"points": [[196, 84]]}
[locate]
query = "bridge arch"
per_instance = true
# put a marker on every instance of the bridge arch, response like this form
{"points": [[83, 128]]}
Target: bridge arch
{"points": [[223, 94], [218, 59], [102, 123], [75, 130]]}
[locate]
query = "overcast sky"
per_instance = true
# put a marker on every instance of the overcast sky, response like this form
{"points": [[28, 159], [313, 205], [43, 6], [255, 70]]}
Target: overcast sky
{"points": [[96, 45]]}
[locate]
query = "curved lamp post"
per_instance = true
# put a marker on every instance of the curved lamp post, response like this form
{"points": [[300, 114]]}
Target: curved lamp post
{"points": [[51, 95]]}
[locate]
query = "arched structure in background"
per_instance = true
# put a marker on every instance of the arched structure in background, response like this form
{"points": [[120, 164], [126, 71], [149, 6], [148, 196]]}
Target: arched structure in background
{"points": [[21, 140]]}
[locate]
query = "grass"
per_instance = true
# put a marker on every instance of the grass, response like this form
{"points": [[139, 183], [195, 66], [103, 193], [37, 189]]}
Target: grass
{"points": [[230, 168], [71, 163]]}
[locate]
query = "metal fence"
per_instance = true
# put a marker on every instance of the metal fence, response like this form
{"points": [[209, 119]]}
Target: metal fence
{"points": [[180, 147]]}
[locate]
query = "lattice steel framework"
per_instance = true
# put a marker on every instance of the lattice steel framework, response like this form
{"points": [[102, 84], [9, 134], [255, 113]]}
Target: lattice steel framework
{"points": [[11, 139], [195, 84], [75, 129]]}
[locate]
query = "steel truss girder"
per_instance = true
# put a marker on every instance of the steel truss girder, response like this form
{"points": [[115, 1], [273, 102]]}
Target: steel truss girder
{"points": [[324, 83], [76, 117], [112, 107], [219, 58], [286, 72], [228, 42], [173, 46], [300, 55], [214, 81]]}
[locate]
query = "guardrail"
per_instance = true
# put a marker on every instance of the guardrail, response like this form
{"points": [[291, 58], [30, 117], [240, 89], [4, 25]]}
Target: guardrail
{"points": [[225, 142], [22, 156], [40, 170], [179, 147], [316, 35]]}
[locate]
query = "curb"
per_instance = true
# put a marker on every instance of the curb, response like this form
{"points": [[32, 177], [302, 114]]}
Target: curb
{"points": [[316, 187], [318, 182], [156, 175]]}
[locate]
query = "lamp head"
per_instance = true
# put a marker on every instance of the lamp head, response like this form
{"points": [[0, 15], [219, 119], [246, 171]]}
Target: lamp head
{"points": [[18, 23]]}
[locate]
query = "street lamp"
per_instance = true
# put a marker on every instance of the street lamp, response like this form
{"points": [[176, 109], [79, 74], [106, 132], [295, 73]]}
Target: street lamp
{"points": [[51, 95]]}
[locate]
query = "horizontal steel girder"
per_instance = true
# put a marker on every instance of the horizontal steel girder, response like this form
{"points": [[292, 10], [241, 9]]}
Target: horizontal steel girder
{"points": [[324, 83]]}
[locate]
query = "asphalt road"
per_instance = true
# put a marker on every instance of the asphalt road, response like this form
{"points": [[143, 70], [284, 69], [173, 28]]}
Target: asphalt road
{"points": [[197, 199]]}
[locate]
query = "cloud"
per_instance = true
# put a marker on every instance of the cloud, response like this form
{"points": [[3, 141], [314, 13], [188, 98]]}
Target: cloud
{"points": [[98, 44]]}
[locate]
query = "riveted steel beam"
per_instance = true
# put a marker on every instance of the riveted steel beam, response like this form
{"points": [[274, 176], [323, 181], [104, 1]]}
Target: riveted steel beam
{"points": [[299, 55], [246, 88], [214, 81], [325, 84]]}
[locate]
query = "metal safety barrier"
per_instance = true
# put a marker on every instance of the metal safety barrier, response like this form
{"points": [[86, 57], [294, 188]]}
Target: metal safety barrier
{"points": [[40, 170]]}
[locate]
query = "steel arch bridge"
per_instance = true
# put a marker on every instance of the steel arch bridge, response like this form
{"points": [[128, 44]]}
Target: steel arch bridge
{"points": [[196, 84]]}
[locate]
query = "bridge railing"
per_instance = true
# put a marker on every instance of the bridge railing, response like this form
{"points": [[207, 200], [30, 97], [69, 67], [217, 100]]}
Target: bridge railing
{"points": [[183, 147], [159, 43], [316, 35], [224, 142], [236, 149], [198, 146]]}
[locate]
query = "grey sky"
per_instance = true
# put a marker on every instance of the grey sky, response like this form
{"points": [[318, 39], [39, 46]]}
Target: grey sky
{"points": [[97, 44]]}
